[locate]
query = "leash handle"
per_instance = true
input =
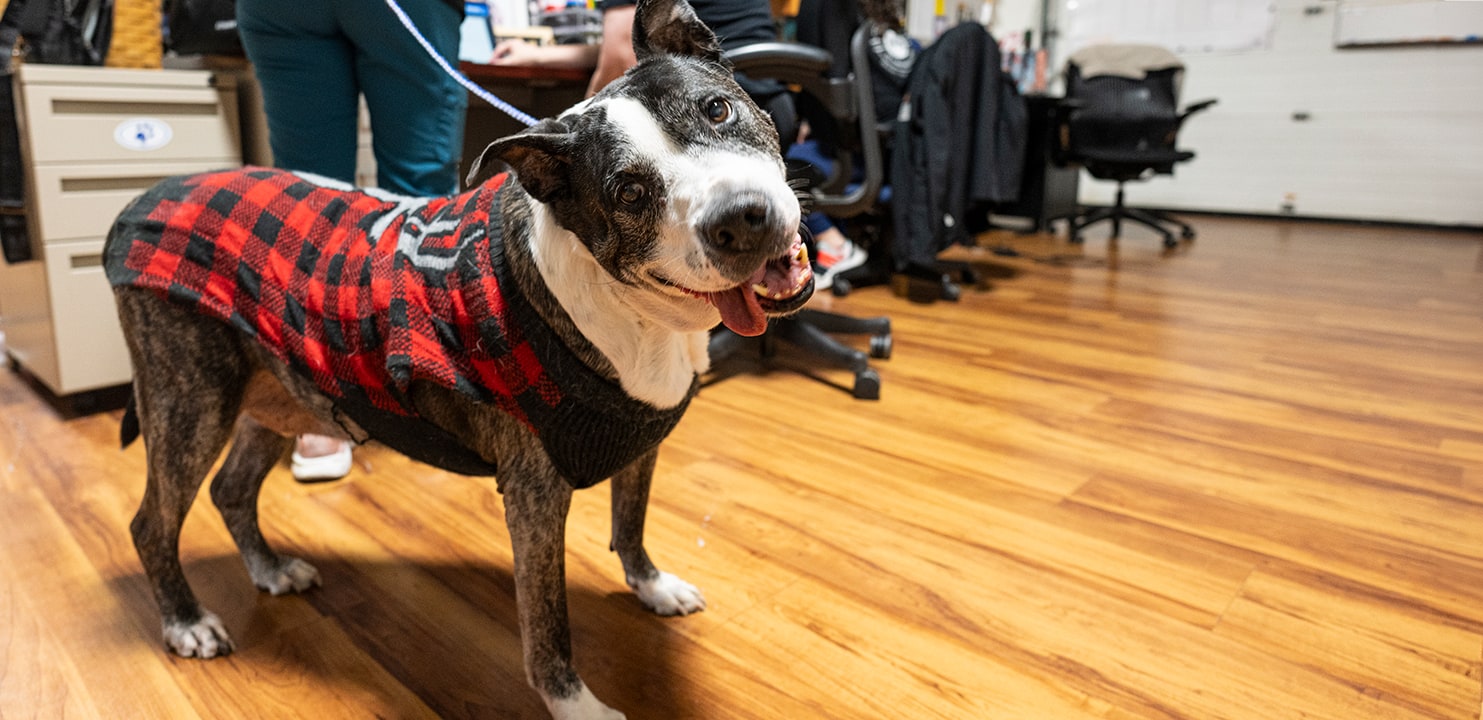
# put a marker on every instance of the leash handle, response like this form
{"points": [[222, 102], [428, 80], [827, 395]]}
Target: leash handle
{"points": [[468, 84]]}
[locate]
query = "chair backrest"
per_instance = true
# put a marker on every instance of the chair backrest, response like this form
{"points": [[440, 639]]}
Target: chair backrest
{"points": [[1126, 98], [832, 100]]}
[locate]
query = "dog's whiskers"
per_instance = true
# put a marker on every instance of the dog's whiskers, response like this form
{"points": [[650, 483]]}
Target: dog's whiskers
{"points": [[670, 265], [603, 283], [805, 198]]}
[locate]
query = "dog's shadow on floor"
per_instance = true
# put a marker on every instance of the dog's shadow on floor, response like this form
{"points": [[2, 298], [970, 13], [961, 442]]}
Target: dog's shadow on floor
{"points": [[392, 636]]}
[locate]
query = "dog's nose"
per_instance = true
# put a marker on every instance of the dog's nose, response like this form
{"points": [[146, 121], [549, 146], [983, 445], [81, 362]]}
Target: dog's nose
{"points": [[745, 223]]}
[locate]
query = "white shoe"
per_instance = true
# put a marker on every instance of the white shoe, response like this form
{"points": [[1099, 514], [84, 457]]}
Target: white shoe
{"points": [[844, 258], [324, 467]]}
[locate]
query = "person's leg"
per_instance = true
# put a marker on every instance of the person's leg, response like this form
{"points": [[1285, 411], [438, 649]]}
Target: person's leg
{"points": [[417, 110], [305, 66], [834, 253]]}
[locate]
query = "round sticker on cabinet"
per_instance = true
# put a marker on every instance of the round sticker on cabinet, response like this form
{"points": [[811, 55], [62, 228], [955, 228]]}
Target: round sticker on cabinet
{"points": [[143, 133]]}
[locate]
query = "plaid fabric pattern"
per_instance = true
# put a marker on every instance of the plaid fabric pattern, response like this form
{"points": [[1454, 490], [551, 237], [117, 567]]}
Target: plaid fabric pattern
{"points": [[366, 292], [358, 291]]}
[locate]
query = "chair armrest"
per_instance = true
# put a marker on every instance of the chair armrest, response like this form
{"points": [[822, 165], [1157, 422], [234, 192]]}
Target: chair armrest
{"points": [[1197, 107], [784, 61], [849, 100], [798, 65]]}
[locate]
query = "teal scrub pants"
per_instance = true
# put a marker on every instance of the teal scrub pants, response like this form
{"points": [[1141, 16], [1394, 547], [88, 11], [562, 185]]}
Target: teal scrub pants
{"points": [[314, 58]]}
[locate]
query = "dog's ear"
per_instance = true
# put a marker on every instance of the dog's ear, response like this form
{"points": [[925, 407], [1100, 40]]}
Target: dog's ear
{"points": [[671, 26], [540, 157]]}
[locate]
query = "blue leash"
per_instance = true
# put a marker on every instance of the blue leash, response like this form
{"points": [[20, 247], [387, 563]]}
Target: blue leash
{"points": [[479, 92]]}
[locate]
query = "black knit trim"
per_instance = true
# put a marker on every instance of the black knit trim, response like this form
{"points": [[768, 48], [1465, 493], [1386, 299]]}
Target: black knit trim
{"points": [[598, 428]]}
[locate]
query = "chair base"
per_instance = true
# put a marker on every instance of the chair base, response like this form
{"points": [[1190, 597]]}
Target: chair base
{"points": [[941, 280], [809, 332], [917, 282], [1156, 220]]}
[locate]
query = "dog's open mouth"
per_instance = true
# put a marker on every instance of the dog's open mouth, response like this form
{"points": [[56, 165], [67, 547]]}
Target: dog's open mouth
{"points": [[781, 286]]}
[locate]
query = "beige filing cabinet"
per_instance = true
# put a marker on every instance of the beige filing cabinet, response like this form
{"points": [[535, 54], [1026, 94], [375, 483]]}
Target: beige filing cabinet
{"points": [[92, 140]]}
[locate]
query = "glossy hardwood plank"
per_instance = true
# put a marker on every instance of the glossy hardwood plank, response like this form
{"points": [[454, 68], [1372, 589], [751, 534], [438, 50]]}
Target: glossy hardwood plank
{"points": [[28, 643], [1406, 655], [1242, 480], [67, 607]]}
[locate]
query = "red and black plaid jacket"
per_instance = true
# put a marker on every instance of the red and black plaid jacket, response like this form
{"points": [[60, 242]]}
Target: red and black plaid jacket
{"points": [[365, 293]]}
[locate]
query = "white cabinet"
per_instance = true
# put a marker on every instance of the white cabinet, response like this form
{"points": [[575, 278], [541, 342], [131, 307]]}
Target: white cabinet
{"points": [[92, 139]]}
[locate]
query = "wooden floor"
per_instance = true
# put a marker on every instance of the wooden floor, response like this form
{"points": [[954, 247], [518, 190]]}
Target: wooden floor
{"points": [[1242, 480]]}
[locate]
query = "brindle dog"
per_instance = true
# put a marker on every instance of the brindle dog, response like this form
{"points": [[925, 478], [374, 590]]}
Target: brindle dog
{"points": [[631, 224]]}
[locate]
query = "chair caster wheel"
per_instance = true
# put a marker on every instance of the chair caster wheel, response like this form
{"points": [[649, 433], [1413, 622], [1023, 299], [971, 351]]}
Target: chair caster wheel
{"points": [[841, 287], [1170, 242], [867, 385], [951, 292], [1187, 234], [880, 347]]}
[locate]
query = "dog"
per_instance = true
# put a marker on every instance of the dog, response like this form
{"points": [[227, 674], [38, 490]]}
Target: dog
{"points": [[547, 327]]}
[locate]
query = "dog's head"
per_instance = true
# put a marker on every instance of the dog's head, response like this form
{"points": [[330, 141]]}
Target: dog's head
{"points": [[671, 178]]}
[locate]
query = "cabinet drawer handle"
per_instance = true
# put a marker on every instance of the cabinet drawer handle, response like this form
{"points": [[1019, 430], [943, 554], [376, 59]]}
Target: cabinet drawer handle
{"points": [[104, 184], [122, 107], [82, 262]]}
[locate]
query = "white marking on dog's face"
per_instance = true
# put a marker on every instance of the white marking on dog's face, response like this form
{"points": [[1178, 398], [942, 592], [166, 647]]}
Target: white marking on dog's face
{"points": [[661, 207], [672, 179], [699, 182]]}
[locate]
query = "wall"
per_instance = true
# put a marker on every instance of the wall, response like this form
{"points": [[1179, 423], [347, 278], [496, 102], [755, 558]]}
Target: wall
{"points": [[1394, 134], [1009, 18]]}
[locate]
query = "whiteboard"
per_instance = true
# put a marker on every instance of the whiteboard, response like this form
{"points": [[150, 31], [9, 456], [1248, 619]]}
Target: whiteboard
{"points": [[1184, 26], [1395, 22]]}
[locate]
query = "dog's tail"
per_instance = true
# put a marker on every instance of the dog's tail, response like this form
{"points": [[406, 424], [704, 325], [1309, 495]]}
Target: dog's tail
{"points": [[128, 428]]}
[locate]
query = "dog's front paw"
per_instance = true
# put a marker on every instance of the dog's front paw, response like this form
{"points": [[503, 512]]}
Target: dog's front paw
{"points": [[666, 594], [205, 638], [290, 575], [582, 706]]}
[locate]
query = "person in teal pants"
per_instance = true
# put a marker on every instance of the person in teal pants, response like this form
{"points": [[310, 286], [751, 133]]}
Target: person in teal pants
{"points": [[314, 59]]}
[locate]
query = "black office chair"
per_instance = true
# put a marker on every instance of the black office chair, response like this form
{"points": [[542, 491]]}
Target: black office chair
{"points": [[1121, 124], [839, 195], [885, 63]]}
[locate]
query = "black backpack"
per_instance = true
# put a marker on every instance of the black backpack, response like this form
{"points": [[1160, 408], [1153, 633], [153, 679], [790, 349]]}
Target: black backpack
{"points": [[57, 32]]}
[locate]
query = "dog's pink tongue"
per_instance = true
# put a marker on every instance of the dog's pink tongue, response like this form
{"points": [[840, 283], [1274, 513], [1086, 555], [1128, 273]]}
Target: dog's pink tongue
{"points": [[739, 307], [740, 310]]}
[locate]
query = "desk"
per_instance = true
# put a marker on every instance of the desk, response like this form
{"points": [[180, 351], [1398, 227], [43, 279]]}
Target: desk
{"points": [[542, 92], [1047, 190]]}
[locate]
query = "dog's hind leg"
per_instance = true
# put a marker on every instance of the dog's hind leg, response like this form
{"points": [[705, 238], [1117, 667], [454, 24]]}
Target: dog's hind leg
{"points": [[188, 383], [661, 592], [182, 443], [234, 490]]}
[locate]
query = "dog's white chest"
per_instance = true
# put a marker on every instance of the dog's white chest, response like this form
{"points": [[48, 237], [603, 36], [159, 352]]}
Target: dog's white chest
{"points": [[655, 363]]}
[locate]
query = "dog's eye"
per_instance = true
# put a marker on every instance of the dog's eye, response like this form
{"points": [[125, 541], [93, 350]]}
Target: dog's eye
{"points": [[718, 110], [631, 192]]}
